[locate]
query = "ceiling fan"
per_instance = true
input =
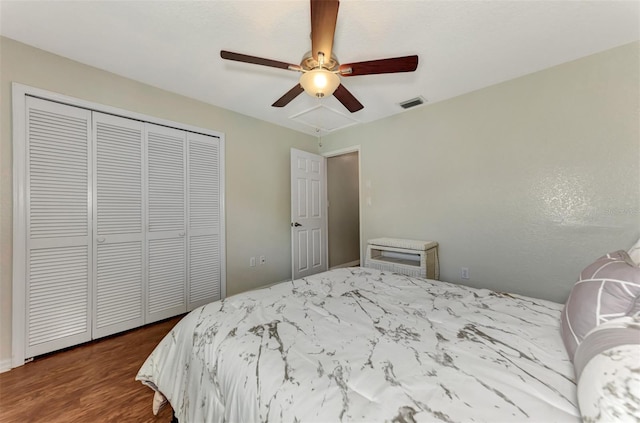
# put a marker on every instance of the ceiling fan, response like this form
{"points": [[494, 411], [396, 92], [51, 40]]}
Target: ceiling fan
{"points": [[320, 68]]}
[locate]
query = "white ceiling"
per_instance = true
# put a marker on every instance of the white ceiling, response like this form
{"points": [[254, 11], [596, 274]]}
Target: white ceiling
{"points": [[462, 46]]}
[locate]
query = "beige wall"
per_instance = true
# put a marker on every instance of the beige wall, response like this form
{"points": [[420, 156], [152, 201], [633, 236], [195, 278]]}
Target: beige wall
{"points": [[524, 182], [257, 164], [343, 215]]}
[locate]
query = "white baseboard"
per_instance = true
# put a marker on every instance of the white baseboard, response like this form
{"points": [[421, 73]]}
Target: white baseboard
{"points": [[350, 264], [269, 285], [5, 365], [340, 266], [275, 283]]}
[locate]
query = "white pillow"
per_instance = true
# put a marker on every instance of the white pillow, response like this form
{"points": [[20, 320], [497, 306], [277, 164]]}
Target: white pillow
{"points": [[634, 252], [608, 385], [608, 371]]}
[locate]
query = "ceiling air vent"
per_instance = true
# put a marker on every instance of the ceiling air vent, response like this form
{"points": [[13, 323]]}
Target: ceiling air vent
{"points": [[412, 103]]}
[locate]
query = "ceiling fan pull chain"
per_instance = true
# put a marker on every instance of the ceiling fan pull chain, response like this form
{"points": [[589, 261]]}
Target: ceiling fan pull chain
{"points": [[319, 126]]}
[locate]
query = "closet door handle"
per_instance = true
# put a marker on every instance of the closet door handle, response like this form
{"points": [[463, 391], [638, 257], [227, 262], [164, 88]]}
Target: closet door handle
{"points": [[181, 234], [100, 240]]}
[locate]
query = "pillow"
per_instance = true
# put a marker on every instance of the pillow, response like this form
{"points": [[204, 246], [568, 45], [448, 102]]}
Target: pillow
{"points": [[622, 331], [607, 289], [634, 252], [608, 372]]}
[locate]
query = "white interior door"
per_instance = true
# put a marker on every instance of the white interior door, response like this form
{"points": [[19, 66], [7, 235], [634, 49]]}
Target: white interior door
{"points": [[119, 224], [203, 209], [166, 235], [58, 247], [308, 214]]}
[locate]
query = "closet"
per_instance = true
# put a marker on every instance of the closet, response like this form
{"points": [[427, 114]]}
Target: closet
{"points": [[121, 224]]}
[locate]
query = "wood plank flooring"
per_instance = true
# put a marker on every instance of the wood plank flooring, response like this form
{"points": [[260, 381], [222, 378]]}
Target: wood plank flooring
{"points": [[93, 382]]}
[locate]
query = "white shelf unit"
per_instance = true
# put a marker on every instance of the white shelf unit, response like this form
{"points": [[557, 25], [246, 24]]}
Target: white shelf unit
{"points": [[407, 257]]}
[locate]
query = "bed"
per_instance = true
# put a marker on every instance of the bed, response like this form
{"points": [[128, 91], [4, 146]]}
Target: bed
{"points": [[359, 344]]}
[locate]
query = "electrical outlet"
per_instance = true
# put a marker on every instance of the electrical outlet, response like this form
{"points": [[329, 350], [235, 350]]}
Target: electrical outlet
{"points": [[263, 260], [252, 261], [464, 273]]}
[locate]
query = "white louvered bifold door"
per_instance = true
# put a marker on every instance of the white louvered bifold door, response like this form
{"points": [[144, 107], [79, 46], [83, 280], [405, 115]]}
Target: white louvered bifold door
{"points": [[118, 224], [203, 165], [167, 223], [58, 276]]}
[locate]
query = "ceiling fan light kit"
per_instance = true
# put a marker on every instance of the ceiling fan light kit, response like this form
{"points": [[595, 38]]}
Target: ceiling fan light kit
{"points": [[320, 79], [319, 82]]}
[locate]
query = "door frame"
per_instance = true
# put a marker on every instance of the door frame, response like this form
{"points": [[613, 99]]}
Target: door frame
{"points": [[340, 152]]}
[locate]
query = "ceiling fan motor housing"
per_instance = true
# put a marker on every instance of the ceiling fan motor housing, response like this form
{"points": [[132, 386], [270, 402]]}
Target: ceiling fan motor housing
{"points": [[309, 63]]}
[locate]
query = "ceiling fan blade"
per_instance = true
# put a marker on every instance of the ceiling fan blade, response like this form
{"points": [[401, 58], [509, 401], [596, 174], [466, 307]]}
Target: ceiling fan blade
{"points": [[237, 57], [347, 99], [393, 65], [324, 14], [290, 95]]}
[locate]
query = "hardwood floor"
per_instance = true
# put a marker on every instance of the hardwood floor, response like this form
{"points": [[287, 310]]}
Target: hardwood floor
{"points": [[93, 382]]}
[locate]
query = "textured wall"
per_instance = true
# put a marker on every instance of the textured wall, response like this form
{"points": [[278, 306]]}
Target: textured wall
{"points": [[524, 182], [257, 164]]}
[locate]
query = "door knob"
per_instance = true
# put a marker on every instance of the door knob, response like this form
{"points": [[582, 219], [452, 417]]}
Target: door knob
{"points": [[101, 240], [296, 224]]}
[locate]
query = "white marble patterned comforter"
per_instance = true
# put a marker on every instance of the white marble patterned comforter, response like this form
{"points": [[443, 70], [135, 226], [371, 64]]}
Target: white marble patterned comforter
{"points": [[363, 345]]}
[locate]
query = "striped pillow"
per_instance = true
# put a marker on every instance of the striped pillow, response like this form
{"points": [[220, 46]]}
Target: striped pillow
{"points": [[607, 289]]}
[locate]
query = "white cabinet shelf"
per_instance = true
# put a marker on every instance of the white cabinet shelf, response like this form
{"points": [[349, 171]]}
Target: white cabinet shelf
{"points": [[404, 256]]}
